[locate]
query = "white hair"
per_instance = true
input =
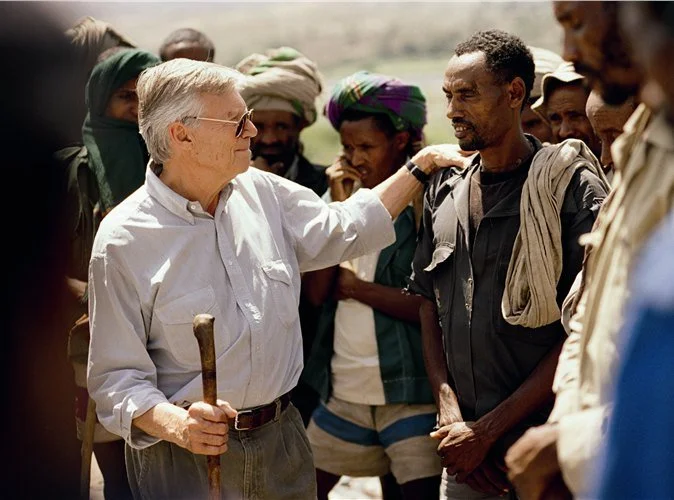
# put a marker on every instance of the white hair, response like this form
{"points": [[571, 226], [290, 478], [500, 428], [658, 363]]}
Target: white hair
{"points": [[171, 91]]}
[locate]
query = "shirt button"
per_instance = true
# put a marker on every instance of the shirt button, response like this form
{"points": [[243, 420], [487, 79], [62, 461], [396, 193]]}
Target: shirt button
{"points": [[470, 280]]}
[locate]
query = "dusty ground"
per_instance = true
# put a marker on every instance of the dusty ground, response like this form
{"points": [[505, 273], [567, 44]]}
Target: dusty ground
{"points": [[348, 488]]}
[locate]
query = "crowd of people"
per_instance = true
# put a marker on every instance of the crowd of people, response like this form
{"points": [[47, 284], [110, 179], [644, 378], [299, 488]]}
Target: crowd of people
{"points": [[482, 320]]}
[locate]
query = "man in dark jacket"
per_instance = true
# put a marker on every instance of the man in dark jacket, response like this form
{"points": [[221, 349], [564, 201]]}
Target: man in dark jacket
{"points": [[492, 377]]}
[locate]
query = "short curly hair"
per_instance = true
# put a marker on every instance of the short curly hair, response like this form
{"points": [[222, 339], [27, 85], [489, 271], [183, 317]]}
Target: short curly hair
{"points": [[507, 57], [186, 35]]}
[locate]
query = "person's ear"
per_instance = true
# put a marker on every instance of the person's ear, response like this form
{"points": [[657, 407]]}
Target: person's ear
{"points": [[516, 93], [401, 140], [179, 136]]}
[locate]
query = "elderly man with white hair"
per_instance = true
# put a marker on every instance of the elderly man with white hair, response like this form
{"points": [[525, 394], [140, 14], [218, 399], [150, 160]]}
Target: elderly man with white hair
{"points": [[206, 234]]}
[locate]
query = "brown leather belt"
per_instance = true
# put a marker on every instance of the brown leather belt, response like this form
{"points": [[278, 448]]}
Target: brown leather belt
{"points": [[256, 417]]}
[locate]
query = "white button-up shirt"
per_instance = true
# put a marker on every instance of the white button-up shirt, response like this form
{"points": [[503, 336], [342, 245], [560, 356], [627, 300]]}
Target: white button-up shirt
{"points": [[160, 259]]}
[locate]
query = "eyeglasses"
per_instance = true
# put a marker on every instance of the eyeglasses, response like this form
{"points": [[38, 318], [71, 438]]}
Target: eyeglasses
{"points": [[240, 123]]}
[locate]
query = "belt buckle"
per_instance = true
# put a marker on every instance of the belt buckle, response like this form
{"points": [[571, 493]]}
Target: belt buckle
{"points": [[236, 420]]}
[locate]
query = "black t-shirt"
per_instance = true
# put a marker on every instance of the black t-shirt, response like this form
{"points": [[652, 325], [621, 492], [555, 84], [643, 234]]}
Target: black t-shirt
{"points": [[488, 188]]}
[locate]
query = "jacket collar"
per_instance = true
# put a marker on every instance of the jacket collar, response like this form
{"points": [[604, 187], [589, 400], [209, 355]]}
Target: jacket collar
{"points": [[405, 228]]}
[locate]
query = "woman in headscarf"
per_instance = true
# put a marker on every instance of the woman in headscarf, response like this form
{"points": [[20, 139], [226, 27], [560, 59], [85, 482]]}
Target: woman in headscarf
{"points": [[390, 113], [108, 167], [89, 38], [366, 361]]}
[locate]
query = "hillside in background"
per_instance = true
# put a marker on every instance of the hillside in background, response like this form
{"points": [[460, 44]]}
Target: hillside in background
{"points": [[410, 40]]}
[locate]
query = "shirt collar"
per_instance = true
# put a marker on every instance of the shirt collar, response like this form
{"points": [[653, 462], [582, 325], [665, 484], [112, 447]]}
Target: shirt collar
{"points": [[293, 170], [659, 132], [175, 203]]}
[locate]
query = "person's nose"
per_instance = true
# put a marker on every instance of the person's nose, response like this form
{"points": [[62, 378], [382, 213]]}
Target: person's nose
{"points": [[570, 51], [358, 159], [567, 131], [249, 131], [454, 109], [606, 159], [133, 109], [267, 137]]}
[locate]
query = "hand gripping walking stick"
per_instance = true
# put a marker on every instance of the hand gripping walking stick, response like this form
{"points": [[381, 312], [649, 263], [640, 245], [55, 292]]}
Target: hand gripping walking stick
{"points": [[203, 331]]}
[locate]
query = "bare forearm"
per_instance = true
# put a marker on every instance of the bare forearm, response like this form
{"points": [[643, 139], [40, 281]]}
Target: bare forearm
{"points": [[317, 286], [436, 366], [77, 288], [530, 396], [388, 300], [397, 191], [164, 421]]}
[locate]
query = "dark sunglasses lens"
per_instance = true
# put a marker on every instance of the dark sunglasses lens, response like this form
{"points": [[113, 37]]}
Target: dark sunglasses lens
{"points": [[242, 123]]}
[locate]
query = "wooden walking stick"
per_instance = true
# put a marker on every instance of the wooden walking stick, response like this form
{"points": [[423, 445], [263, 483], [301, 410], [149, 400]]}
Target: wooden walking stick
{"points": [[87, 449], [203, 331]]}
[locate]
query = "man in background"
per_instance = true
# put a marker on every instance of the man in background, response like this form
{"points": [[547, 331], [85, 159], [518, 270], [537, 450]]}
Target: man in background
{"points": [[607, 122], [187, 43], [562, 104], [545, 61], [282, 86]]}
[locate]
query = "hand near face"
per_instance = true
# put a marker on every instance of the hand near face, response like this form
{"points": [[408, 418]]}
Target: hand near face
{"points": [[462, 447], [532, 461], [342, 178]]}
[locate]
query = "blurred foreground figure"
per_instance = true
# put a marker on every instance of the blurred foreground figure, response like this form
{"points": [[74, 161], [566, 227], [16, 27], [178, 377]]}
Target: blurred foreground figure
{"points": [[38, 433], [639, 457], [567, 447], [189, 44], [545, 61]]}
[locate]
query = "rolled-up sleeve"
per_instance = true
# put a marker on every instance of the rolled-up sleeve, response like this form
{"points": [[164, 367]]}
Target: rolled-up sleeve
{"points": [[325, 234], [121, 377]]}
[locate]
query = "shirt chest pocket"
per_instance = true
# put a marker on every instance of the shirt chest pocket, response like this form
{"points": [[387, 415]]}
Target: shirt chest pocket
{"points": [[176, 317], [279, 284], [440, 269]]}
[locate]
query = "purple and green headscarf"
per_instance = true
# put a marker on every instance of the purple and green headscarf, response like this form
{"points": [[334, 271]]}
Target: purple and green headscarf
{"points": [[368, 92]]}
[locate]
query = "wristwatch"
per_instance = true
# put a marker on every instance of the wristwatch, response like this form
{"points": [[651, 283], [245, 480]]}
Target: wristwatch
{"points": [[414, 169]]}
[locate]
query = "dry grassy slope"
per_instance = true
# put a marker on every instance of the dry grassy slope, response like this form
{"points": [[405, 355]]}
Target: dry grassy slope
{"points": [[410, 40]]}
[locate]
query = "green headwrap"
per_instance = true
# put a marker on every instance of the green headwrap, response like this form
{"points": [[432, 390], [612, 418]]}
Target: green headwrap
{"points": [[281, 79], [117, 152]]}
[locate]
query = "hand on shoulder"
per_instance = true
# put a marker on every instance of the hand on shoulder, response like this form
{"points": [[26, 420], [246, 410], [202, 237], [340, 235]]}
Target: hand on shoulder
{"points": [[437, 156]]}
